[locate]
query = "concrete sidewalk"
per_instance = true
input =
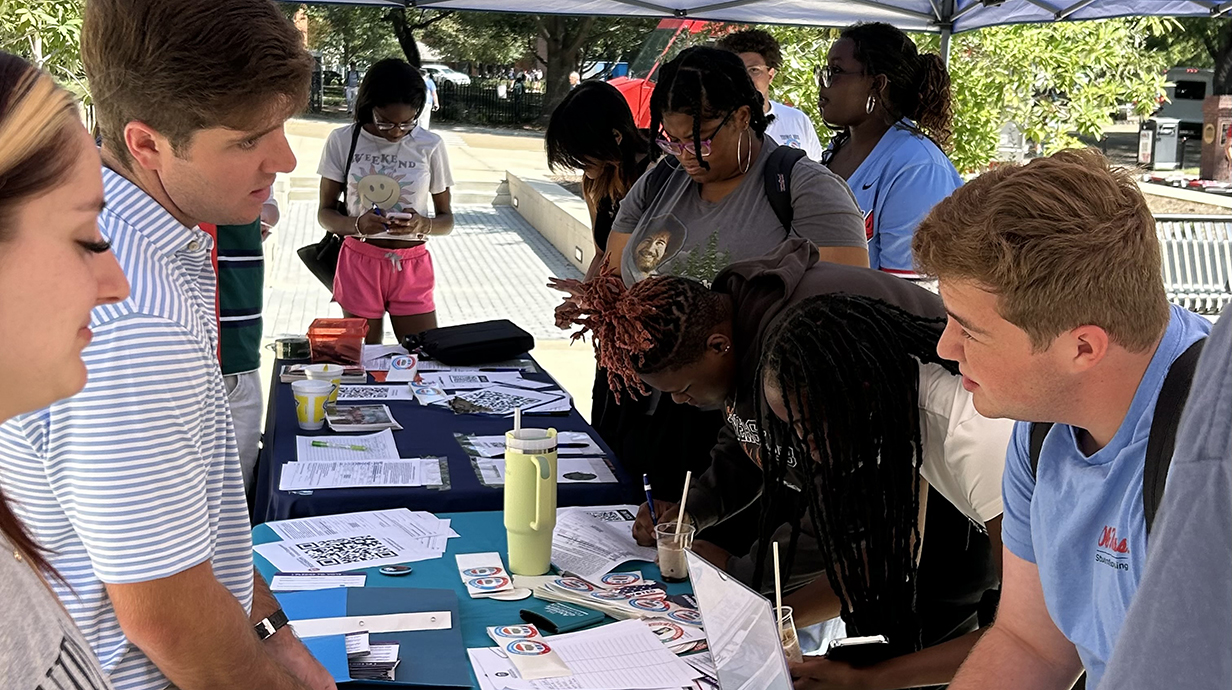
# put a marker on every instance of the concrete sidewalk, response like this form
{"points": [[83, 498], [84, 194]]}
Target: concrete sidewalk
{"points": [[494, 264]]}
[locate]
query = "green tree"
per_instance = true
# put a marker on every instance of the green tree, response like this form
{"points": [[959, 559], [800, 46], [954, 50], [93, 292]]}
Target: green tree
{"points": [[483, 37], [349, 34], [572, 41], [48, 33], [1051, 80]]}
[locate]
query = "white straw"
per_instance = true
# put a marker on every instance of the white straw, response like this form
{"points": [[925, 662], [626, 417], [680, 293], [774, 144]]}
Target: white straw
{"points": [[517, 419], [778, 585], [683, 498]]}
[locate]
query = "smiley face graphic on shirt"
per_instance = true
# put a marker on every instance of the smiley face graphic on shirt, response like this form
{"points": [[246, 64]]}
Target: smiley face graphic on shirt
{"points": [[382, 190]]}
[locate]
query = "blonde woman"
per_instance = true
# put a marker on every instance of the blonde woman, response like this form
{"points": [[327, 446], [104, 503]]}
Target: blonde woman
{"points": [[54, 268]]}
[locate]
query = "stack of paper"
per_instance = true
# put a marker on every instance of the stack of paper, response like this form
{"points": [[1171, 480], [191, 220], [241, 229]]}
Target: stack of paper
{"points": [[335, 462], [648, 600], [376, 357], [353, 418], [479, 378], [568, 444], [378, 663], [590, 542], [396, 392], [503, 399], [620, 656], [351, 541], [568, 471]]}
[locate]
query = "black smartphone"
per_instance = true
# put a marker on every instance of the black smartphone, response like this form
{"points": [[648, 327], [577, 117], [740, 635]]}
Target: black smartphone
{"points": [[859, 651]]}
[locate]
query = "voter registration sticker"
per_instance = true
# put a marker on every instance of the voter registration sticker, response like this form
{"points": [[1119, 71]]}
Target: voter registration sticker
{"points": [[527, 648], [621, 579], [649, 604], [488, 584], [608, 595], [517, 594], [395, 570], [689, 616], [403, 363], [516, 631], [575, 584], [482, 572]]}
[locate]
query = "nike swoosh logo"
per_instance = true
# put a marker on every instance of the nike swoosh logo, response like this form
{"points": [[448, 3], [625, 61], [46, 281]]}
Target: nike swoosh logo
{"points": [[870, 184]]}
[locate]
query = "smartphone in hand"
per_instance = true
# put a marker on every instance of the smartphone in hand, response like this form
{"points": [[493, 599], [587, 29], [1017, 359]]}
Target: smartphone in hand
{"points": [[859, 651]]}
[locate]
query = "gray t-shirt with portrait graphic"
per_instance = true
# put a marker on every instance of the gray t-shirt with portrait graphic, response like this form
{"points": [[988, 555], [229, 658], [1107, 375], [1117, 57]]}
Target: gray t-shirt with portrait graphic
{"points": [[676, 232]]}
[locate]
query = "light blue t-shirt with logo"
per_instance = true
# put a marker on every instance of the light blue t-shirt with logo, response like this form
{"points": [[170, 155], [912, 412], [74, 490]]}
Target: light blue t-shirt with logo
{"points": [[1080, 520], [903, 177]]}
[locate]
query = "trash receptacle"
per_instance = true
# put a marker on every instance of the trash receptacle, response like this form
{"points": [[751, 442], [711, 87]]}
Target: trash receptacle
{"points": [[1159, 144]]}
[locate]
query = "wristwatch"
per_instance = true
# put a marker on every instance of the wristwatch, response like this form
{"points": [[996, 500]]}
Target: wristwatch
{"points": [[270, 624]]}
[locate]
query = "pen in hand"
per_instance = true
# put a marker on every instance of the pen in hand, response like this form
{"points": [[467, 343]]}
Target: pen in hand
{"points": [[654, 519], [340, 446]]}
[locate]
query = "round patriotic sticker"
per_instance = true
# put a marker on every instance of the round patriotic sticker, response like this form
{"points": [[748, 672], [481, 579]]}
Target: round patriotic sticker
{"points": [[527, 648], [487, 571], [620, 579], [575, 584], [515, 631], [604, 595], [689, 616], [649, 604], [667, 632], [488, 583]]}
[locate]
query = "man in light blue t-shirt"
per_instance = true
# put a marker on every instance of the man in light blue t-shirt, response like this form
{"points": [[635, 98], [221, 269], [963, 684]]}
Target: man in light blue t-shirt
{"points": [[1051, 275]]}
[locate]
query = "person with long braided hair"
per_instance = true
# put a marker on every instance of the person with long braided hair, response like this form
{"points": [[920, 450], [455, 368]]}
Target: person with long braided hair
{"points": [[702, 346], [707, 209], [874, 436], [892, 108]]}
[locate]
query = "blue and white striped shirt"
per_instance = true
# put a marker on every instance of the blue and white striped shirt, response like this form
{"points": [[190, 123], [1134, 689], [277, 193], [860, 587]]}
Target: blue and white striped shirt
{"points": [[137, 478]]}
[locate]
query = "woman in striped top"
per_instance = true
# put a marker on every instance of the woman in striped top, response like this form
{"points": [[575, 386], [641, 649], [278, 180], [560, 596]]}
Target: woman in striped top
{"points": [[54, 268]]}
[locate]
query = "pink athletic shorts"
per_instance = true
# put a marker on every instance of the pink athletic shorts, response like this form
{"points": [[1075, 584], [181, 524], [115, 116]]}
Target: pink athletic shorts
{"points": [[372, 280]]}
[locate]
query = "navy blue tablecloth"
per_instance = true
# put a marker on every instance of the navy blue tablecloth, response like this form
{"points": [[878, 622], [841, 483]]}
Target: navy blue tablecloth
{"points": [[426, 431]]}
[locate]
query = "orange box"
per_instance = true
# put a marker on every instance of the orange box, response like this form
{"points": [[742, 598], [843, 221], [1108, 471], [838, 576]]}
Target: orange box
{"points": [[340, 341]]}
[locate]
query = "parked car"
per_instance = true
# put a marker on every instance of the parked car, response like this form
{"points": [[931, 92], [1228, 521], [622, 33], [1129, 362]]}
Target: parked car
{"points": [[442, 73]]}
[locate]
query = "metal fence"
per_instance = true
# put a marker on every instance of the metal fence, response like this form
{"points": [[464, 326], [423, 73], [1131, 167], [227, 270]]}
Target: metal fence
{"points": [[486, 104]]}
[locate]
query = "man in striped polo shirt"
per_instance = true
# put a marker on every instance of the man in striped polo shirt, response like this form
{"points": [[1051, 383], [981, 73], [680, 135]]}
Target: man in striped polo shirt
{"points": [[134, 485]]}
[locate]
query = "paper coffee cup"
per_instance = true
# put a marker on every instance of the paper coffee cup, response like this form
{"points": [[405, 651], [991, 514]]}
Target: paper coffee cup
{"points": [[326, 372], [310, 400]]}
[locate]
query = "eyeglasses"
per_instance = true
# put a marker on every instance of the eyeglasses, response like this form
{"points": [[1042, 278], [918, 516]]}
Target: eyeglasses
{"points": [[825, 75], [678, 149], [389, 126]]}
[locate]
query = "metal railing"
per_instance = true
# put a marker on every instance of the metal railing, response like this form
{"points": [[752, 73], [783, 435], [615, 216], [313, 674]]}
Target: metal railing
{"points": [[1197, 260], [484, 104]]}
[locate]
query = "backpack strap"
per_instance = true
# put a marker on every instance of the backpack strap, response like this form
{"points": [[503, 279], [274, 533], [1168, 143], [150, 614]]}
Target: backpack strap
{"points": [[346, 170], [1039, 432], [657, 178], [1166, 419], [778, 183]]}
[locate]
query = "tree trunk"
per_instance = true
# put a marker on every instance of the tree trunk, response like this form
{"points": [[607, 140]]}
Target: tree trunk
{"points": [[405, 34], [564, 37]]}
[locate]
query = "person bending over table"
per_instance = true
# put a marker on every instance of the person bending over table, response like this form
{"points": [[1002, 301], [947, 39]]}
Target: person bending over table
{"points": [[711, 211], [870, 431], [702, 346]]}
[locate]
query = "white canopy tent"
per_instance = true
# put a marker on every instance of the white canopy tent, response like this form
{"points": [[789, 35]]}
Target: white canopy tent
{"points": [[936, 16]]}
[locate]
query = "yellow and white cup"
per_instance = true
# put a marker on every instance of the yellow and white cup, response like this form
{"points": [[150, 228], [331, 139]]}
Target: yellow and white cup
{"points": [[326, 372], [310, 400]]}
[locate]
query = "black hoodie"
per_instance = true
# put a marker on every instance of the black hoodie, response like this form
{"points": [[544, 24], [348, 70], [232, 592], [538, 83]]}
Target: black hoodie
{"points": [[761, 289]]}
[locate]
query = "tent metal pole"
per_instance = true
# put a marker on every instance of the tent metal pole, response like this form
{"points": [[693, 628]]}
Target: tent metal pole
{"points": [[945, 45]]}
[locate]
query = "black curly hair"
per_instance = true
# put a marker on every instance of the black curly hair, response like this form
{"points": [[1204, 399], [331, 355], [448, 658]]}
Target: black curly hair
{"points": [[754, 41], [706, 83]]}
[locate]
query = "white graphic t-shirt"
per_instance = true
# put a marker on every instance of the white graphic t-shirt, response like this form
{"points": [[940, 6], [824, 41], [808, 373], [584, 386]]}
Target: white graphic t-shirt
{"points": [[393, 175], [791, 127]]}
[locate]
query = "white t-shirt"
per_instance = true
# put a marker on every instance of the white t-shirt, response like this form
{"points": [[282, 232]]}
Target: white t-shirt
{"points": [[791, 127], [394, 175], [964, 452]]}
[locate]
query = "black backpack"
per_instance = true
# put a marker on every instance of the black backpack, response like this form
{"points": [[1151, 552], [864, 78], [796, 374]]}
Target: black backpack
{"points": [[777, 179], [1162, 437]]}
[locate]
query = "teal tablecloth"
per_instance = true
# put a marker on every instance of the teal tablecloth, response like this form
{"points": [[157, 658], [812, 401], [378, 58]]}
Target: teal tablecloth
{"points": [[484, 531]]}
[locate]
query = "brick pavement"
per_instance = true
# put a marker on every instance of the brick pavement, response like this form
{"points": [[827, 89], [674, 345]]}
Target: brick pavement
{"points": [[493, 265]]}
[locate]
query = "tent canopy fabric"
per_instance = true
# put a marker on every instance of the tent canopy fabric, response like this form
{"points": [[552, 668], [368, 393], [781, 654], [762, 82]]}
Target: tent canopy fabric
{"points": [[943, 16]]}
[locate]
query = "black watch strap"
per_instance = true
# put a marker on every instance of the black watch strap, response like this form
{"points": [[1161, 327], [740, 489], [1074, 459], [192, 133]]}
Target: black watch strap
{"points": [[270, 624]]}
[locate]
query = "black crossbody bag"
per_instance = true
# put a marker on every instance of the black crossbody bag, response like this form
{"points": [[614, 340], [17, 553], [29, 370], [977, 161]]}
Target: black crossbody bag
{"points": [[322, 257]]}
